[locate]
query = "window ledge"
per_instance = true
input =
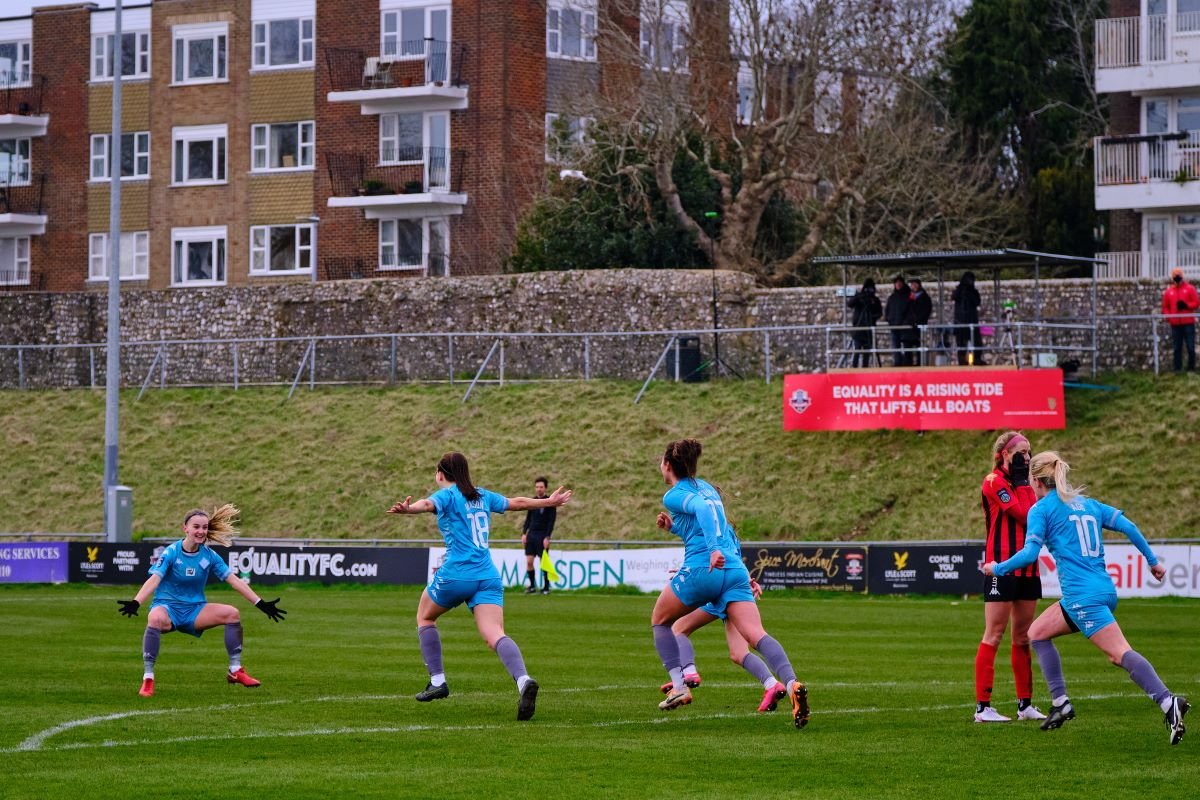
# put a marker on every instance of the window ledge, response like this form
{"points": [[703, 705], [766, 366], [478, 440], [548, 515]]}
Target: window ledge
{"points": [[197, 284], [199, 82], [124, 279], [126, 179], [280, 273], [186, 184], [124, 80], [402, 268], [283, 170], [310, 67], [585, 59]]}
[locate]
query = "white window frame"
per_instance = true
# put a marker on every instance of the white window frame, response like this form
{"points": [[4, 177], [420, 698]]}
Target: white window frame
{"points": [[587, 29], [103, 57], [828, 108], [218, 34], [135, 256], [389, 237], [22, 70], [181, 238], [395, 9], [24, 163], [260, 251], [426, 145], [578, 135], [101, 150], [260, 45], [655, 17], [261, 145], [218, 136], [20, 264]]}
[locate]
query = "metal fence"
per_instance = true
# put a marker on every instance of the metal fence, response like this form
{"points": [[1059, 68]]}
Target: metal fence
{"points": [[497, 357]]}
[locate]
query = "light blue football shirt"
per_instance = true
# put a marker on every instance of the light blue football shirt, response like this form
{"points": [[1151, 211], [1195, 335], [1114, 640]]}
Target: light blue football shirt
{"points": [[465, 527], [698, 518], [184, 574]]}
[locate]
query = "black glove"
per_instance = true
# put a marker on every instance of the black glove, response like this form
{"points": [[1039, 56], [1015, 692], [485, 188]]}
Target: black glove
{"points": [[1181, 305], [1018, 470], [268, 607], [129, 607]]}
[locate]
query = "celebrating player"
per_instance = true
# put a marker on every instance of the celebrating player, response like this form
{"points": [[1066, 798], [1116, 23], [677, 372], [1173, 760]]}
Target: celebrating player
{"points": [[1007, 499], [468, 574], [1069, 524], [177, 583], [712, 572]]}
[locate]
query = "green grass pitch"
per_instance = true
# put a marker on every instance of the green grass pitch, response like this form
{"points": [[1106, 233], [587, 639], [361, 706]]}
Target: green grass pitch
{"points": [[890, 680]]}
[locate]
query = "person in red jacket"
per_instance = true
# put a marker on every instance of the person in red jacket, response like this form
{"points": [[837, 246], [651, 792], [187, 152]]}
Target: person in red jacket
{"points": [[1007, 498], [1179, 305]]}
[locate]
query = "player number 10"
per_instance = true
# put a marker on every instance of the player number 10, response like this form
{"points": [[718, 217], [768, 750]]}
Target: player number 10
{"points": [[1089, 534]]}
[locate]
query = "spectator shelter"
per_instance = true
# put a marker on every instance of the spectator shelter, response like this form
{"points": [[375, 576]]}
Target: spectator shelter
{"points": [[935, 267]]}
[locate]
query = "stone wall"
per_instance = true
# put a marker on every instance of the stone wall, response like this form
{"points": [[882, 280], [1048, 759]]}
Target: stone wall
{"points": [[592, 314]]}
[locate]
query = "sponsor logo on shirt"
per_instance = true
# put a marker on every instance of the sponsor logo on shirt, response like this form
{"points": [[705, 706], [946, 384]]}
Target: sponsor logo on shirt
{"points": [[190, 572]]}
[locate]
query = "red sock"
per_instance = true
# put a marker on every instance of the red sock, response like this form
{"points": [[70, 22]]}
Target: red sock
{"points": [[985, 672], [1022, 664]]}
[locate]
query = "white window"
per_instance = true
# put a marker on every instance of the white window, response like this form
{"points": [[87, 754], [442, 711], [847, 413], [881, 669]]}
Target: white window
{"points": [[414, 244], [1187, 232], [664, 27], [283, 43], [281, 249], [827, 102], [198, 154], [200, 52], [565, 136], [198, 256], [282, 146], [745, 97], [16, 63], [418, 138], [135, 55], [135, 256], [14, 162], [135, 156], [571, 30], [413, 31], [14, 260]]}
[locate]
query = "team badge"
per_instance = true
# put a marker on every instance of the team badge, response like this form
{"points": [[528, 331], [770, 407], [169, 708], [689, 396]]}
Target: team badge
{"points": [[1004, 496], [799, 401]]}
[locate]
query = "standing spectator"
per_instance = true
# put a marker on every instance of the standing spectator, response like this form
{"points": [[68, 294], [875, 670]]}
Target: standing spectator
{"points": [[1179, 306], [921, 310], [966, 319], [865, 312], [898, 315], [535, 537]]}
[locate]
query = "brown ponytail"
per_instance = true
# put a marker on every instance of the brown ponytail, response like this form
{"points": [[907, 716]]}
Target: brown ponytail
{"points": [[454, 467], [682, 455]]}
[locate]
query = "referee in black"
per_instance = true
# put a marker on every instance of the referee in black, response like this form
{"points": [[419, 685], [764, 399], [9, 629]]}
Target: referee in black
{"points": [[535, 535]]}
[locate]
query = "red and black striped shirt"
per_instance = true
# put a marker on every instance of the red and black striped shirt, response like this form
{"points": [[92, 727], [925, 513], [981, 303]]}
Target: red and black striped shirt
{"points": [[1004, 513]]}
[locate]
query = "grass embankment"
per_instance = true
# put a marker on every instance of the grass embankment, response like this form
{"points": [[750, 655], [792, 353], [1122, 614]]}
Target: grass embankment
{"points": [[329, 462]]}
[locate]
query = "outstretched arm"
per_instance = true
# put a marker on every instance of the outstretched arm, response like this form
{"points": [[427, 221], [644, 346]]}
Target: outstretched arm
{"points": [[147, 590], [407, 506], [560, 497], [242, 588], [1121, 524]]}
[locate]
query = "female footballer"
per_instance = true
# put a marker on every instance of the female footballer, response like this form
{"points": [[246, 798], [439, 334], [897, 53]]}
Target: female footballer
{"points": [[1069, 524], [177, 584], [1007, 499], [468, 575]]}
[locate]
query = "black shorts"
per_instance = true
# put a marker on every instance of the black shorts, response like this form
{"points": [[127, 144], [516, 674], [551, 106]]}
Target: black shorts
{"points": [[1011, 587], [534, 545]]}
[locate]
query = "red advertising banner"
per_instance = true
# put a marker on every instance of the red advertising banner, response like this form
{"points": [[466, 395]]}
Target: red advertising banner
{"points": [[925, 400]]}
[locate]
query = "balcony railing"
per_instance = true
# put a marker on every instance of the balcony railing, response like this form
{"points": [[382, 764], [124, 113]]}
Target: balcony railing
{"points": [[341, 268], [1147, 158], [1134, 41], [22, 97], [19, 196], [416, 63], [1154, 264], [426, 169]]}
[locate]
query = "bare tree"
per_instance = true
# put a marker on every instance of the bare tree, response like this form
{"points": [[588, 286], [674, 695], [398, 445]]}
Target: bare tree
{"points": [[804, 99]]}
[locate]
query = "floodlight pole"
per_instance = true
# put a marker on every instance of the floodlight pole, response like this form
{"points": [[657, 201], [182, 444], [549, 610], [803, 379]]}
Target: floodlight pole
{"points": [[112, 384]]}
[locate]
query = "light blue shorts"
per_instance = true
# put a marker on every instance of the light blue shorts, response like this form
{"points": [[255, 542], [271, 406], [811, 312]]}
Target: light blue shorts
{"points": [[696, 586], [183, 615], [449, 593], [1088, 615]]}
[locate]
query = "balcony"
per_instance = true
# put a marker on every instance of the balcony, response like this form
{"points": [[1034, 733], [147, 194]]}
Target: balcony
{"points": [[1136, 54], [1155, 265], [21, 108], [427, 184], [22, 209], [1148, 171], [423, 75]]}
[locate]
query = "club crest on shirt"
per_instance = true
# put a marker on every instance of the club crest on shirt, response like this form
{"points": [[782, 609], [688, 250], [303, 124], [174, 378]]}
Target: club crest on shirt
{"points": [[204, 563], [1004, 496]]}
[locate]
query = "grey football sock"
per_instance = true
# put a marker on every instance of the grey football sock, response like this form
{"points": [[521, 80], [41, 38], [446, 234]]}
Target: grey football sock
{"points": [[510, 657], [687, 653], [150, 642], [756, 667], [1143, 674], [431, 648], [667, 647], [1051, 666], [233, 644], [777, 660]]}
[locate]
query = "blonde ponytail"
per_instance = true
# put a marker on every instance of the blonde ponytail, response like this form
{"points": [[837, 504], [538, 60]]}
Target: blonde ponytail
{"points": [[221, 524], [1050, 468]]}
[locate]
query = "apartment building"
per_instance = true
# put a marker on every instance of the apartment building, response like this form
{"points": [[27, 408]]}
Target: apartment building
{"points": [[297, 140], [1148, 167]]}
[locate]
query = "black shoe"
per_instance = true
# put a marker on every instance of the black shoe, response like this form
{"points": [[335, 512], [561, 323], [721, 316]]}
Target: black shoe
{"points": [[432, 692], [1174, 718], [546, 590], [530, 590], [525, 706], [1058, 715]]}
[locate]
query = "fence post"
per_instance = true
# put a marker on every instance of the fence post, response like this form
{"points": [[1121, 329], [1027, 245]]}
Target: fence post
{"points": [[1154, 342], [587, 358], [767, 356], [92, 365], [501, 362], [235, 366], [392, 363], [677, 359], [312, 365], [20, 368], [162, 370], [450, 355]]}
